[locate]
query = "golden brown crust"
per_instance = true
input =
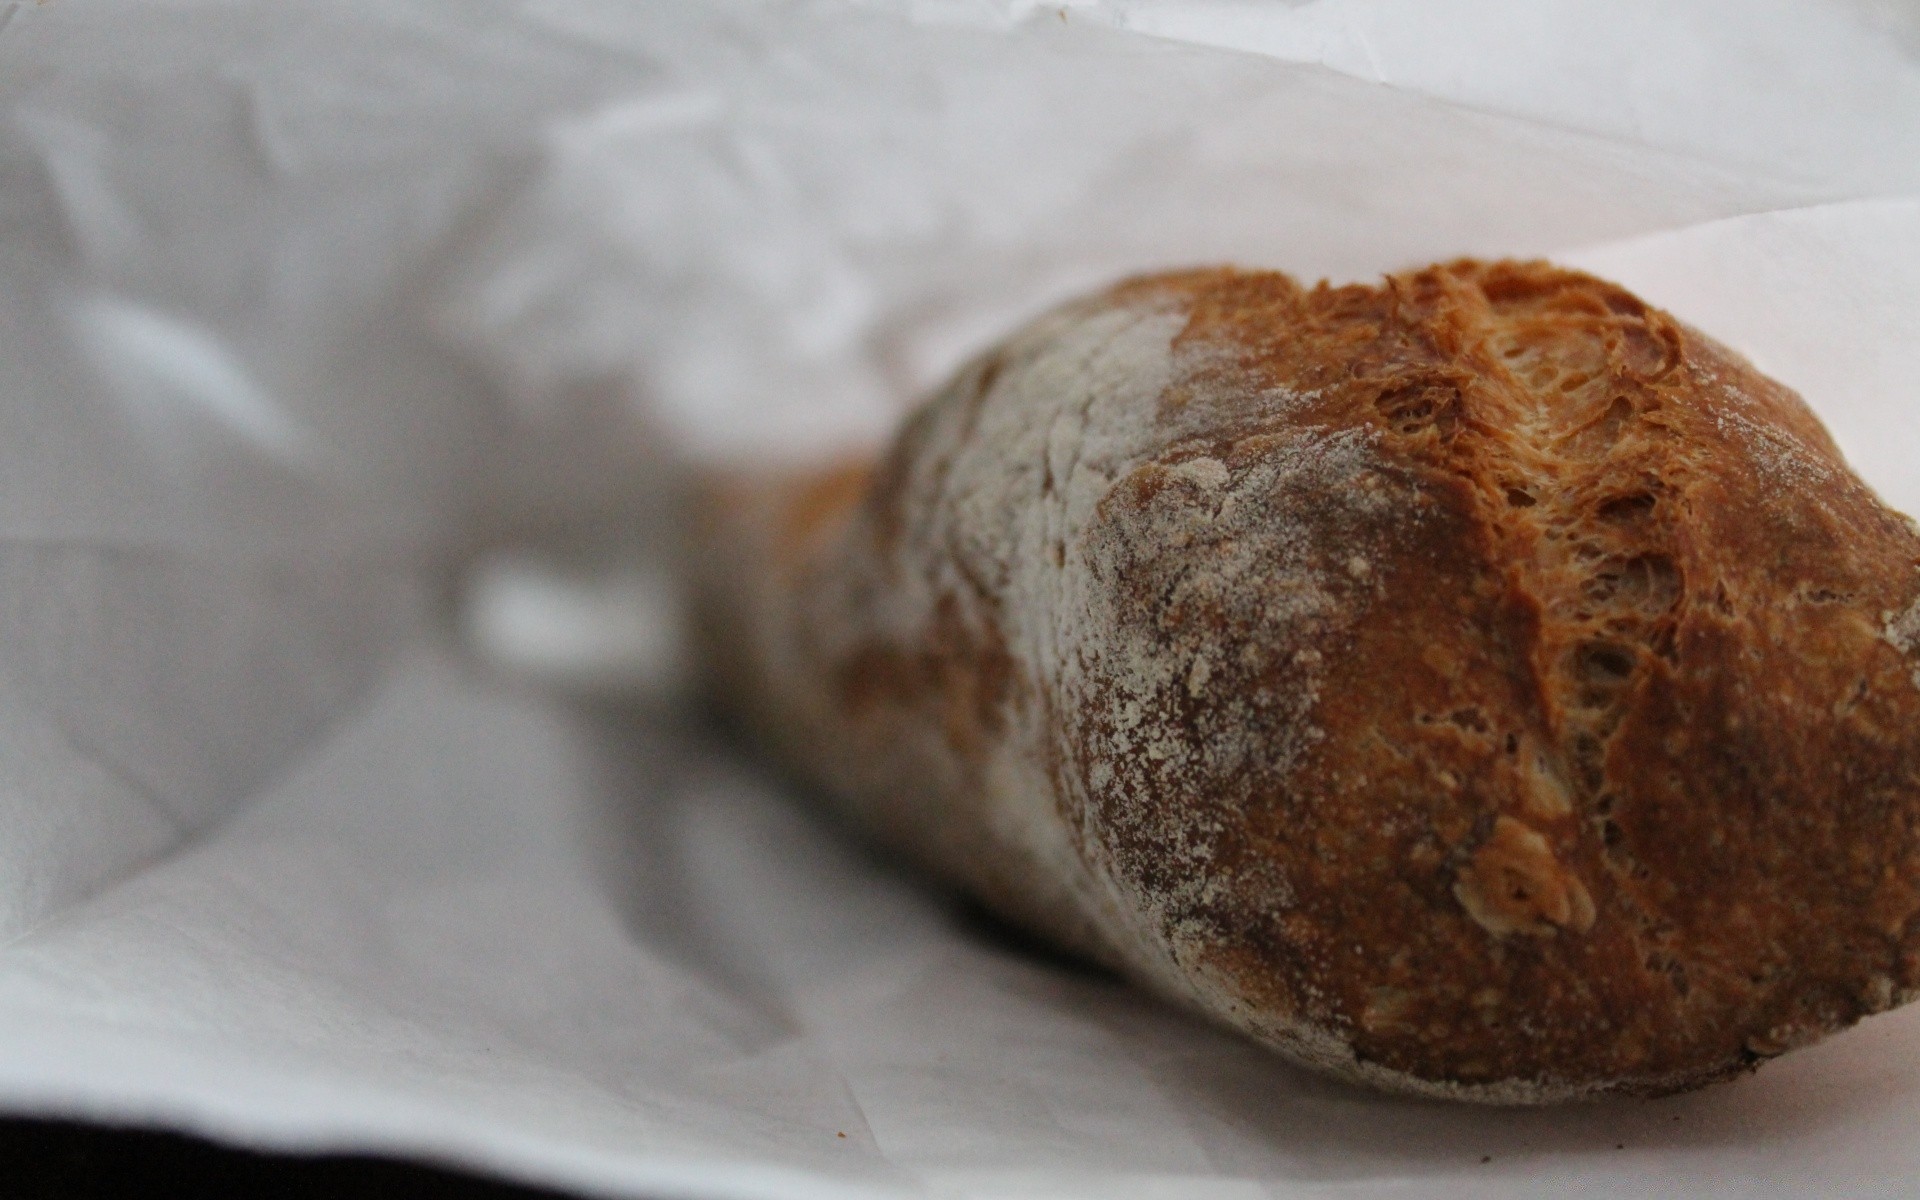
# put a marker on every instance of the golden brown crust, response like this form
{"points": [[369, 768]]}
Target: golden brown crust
{"points": [[1479, 684]]}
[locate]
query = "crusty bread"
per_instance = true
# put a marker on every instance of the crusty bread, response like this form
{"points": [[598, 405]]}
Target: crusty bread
{"points": [[1479, 685]]}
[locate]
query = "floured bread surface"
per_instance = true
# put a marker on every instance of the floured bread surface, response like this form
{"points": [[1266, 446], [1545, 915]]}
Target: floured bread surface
{"points": [[1479, 685]]}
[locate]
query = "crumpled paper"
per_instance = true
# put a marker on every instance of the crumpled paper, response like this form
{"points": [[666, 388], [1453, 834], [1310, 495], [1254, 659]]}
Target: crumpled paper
{"points": [[304, 308]]}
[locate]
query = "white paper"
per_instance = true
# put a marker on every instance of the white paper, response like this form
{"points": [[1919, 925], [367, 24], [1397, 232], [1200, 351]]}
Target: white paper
{"points": [[775, 256], [301, 307], [1825, 299], [570, 947]]}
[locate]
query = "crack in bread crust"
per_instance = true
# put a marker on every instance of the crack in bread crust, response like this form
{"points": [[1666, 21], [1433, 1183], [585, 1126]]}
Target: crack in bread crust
{"points": [[1479, 685]]}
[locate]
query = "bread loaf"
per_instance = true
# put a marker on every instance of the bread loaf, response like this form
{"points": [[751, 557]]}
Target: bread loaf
{"points": [[1480, 685]]}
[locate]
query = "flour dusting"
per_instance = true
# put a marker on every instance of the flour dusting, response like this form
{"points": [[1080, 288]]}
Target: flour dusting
{"points": [[1902, 632]]}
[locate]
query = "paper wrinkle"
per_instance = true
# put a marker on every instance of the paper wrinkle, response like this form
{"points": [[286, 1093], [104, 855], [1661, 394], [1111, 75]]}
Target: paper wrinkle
{"points": [[424, 934], [169, 372], [1895, 19], [134, 660], [773, 266], [100, 228], [178, 821], [343, 966], [74, 826]]}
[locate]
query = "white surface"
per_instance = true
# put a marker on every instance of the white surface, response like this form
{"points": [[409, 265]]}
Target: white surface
{"points": [[1825, 299], [570, 945], [299, 304]]}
